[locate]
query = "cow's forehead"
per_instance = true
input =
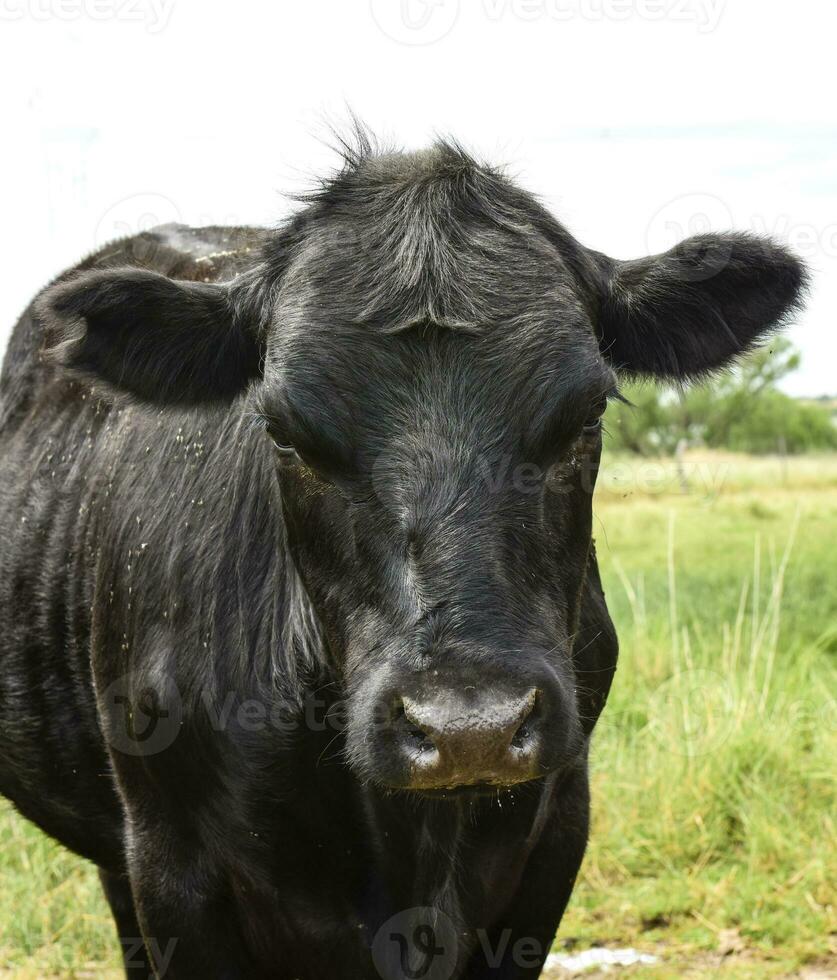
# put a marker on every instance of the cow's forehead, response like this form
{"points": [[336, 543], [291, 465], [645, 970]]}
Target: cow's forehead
{"points": [[434, 381], [469, 277]]}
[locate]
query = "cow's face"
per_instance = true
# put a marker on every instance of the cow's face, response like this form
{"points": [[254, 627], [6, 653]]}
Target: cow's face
{"points": [[432, 355], [442, 528], [437, 479]]}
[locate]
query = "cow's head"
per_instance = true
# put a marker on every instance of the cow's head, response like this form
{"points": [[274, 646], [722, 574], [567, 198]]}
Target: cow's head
{"points": [[432, 353]]}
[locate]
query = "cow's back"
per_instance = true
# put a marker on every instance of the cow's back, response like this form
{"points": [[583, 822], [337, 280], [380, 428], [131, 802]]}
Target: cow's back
{"points": [[69, 457]]}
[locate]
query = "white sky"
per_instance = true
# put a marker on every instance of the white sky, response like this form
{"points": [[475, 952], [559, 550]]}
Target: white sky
{"points": [[638, 121]]}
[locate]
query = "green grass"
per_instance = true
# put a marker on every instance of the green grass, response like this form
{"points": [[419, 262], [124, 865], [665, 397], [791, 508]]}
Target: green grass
{"points": [[714, 763], [713, 766]]}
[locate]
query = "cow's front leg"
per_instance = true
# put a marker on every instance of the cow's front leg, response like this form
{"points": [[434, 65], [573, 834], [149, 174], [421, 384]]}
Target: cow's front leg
{"points": [[117, 890], [517, 947], [187, 915]]}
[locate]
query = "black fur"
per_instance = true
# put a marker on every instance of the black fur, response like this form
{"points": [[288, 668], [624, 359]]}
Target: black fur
{"points": [[164, 342], [205, 638]]}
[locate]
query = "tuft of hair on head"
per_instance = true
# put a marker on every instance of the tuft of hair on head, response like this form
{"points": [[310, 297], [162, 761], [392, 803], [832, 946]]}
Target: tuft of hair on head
{"points": [[368, 163]]}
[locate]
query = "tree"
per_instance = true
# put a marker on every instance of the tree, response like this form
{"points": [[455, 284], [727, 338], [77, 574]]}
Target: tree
{"points": [[742, 410]]}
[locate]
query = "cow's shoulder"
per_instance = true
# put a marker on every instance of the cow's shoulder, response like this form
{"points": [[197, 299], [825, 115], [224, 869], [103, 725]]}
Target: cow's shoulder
{"points": [[209, 254]]}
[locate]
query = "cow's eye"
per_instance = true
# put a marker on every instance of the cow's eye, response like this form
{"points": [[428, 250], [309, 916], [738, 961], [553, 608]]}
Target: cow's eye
{"points": [[593, 422], [282, 445], [275, 432], [286, 451]]}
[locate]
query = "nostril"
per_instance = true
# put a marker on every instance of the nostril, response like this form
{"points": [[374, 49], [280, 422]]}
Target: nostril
{"points": [[413, 733], [422, 740], [522, 736]]}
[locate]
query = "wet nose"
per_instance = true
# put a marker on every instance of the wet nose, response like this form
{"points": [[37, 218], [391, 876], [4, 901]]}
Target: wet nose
{"points": [[460, 738]]}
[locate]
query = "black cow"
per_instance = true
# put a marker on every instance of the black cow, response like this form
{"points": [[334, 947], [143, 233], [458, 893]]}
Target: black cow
{"points": [[303, 637]]}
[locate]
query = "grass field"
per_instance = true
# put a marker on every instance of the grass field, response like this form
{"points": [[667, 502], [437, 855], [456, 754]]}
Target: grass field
{"points": [[714, 764]]}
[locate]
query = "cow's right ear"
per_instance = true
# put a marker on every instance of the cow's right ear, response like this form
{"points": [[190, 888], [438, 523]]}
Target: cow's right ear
{"points": [[162, 340]]}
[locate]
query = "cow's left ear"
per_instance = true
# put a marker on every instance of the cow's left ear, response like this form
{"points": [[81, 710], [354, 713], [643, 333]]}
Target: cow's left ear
{"points": [[162, 340], [693, 309]]}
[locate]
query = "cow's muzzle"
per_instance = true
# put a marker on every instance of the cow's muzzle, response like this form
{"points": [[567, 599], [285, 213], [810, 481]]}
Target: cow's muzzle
{"points": [[459, 738]]}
